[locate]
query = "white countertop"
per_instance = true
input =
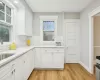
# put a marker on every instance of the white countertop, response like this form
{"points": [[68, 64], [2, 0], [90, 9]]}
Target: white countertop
{"points": [[49, 46], [21, 51], [17, 53]]}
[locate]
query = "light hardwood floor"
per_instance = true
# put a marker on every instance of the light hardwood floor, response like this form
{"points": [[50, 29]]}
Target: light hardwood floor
{"points": [[70, 72]]}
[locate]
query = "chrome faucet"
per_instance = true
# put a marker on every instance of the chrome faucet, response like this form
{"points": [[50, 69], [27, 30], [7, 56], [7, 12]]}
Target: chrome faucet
{"points": [[1, 41]]}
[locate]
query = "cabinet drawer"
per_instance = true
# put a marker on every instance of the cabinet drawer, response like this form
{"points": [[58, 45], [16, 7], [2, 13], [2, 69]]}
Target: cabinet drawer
{"points": [[53, 50], [6, 69], [59, 50], [47, 50]]}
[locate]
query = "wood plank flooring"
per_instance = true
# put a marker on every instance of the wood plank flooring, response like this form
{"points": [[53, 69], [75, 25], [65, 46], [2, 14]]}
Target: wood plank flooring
{"points": [[70, 72]]}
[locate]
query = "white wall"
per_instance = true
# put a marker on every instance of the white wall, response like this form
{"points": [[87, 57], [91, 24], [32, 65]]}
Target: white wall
{"points": [[36, 24], [85, 31]]}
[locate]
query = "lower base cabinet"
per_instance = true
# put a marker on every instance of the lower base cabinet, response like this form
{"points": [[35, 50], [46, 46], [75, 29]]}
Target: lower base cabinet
{"points": [[19, 69], [19, 66], [7, 72], [24, 66], [58, 60], [9, 76], [49, 58]]}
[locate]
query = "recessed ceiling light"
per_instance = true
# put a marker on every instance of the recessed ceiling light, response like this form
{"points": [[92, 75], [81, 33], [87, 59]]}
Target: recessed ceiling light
{"points": [[0, 2], [15, 1]]}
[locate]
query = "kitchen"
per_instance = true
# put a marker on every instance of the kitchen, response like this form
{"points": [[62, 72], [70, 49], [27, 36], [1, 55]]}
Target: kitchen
{"points": [[39, 41]]}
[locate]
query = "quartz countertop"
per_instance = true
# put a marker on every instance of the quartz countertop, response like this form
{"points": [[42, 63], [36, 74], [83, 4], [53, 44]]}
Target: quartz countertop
{"points": [[49, 46], [17, 53], [20, 51]]}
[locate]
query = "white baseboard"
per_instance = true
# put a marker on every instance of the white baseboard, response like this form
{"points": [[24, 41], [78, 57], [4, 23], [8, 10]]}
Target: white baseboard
{"points": [[85, 66]]}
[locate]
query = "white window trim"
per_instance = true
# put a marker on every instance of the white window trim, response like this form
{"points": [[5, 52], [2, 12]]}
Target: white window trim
{"points": [[48, 18], [13, 12]]}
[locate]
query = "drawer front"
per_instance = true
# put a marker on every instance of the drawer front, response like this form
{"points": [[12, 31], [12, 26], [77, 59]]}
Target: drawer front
{"points": [[47, 50], [53, 50], [59, 50], [6, 69]]}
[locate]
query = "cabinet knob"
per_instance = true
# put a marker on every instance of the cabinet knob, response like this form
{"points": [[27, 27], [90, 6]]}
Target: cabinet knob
{"points": [[12, 72]]}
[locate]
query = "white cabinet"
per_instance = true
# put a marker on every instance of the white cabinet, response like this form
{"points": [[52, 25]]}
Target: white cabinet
{"points": [[27, 65], [28, 22], [58, 60], [19, 66], [8, 76], [46, 60], [7, 72], [49, 58], [25, 18], [24, 65], [38, 54], [32, 60]]}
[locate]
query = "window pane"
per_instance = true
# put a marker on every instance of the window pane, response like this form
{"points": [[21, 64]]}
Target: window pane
{"points": [[48, 25], [8, 10], [48, 36], [2, 16], [4, 33], [8, 19], [2, 6]]}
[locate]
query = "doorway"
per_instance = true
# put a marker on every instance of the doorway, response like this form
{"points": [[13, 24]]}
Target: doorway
{"points": [[72, 40], [96, 39], [93, 45]]}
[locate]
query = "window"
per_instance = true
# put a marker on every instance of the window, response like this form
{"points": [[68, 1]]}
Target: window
{"points": [[5, 22], [48, 28], [5, 13], [4, 33]]}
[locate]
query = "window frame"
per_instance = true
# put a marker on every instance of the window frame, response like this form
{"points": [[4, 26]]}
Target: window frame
{"points": [[48, 18], [4, 22]]}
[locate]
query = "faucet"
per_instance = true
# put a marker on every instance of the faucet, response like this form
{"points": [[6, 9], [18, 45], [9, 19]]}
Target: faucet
{"points": [[1, 41]]}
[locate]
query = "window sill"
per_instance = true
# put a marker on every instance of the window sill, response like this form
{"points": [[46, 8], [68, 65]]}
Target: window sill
{"points": [[5, 43], [48, 42], [5, 23]]}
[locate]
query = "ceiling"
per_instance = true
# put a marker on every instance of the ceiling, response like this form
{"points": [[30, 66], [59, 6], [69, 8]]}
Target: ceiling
{"points": [[58, 5]]}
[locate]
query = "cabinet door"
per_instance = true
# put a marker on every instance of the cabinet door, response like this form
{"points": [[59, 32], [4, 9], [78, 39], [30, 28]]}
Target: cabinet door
{"points": [[9, 76], [32, 58], [47, 59], [58, 60], [19, 67], [28, 22], [7, 71], [38, 55], [27, 66]]}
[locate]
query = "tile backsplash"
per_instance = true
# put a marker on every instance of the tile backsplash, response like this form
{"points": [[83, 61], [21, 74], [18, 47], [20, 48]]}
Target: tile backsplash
{"points": [[20, 42]]}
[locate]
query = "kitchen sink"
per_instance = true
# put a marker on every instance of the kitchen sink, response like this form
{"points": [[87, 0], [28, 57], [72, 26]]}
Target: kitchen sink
{"points": [[4, 56]]}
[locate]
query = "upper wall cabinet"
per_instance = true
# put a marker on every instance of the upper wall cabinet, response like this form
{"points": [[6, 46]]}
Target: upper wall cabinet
{"points": [[28, 22], [25, 18]]}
